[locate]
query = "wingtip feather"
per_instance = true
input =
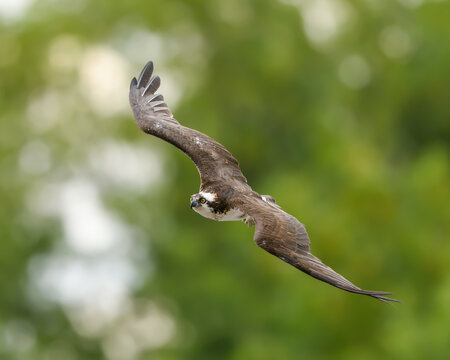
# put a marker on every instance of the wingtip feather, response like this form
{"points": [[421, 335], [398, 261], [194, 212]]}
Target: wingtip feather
{"points": [[145, 75], [386, 299], [380, 295], [133, 83], [152, 86]]}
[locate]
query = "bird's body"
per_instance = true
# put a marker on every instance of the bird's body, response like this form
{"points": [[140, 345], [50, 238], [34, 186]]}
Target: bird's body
{"points": [[224, 193]]}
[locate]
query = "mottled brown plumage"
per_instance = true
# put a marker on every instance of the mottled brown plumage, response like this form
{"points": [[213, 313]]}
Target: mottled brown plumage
{"points": [[276, 231]]}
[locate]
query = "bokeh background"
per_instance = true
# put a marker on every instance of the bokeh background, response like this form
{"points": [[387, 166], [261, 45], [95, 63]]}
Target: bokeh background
{"points": [[338, 108]]}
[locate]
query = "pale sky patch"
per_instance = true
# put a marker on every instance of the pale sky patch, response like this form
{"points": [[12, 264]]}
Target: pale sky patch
{"points": [[395, 42], [354, 71], [322, 19], [34, 158], [127, 165], [14, 10], [104, 80]]}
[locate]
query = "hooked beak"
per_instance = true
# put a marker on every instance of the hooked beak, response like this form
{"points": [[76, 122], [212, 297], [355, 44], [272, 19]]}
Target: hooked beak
{"points": [[194, 203]]}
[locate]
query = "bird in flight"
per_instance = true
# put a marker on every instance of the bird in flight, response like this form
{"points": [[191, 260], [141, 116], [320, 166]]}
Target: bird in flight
{"points": [[224, 193]]}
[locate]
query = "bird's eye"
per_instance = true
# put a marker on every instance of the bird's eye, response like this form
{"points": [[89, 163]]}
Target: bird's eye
{"points": [[190, 199], [202, 200]]}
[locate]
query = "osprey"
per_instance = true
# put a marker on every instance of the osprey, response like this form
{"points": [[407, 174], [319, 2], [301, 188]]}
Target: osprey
{"points": [[224, 193]]}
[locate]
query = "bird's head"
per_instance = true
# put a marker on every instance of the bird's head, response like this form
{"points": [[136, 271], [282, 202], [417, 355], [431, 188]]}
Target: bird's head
{"points": [[202, 203]]}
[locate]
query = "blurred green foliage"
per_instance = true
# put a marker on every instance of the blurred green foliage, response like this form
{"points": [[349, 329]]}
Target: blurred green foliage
{"points": [[337, 108]]}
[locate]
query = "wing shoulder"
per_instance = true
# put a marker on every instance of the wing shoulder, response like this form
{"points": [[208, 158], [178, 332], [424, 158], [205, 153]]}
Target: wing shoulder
{"points": [[274, 228]]}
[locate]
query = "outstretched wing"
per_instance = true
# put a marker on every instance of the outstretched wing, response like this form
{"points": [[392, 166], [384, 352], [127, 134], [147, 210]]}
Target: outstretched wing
{"points": [[284, 236], [214, 162]]}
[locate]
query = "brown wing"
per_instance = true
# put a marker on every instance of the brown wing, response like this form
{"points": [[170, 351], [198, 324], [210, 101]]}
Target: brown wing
{"points": [[284, 236], [214, 162]]}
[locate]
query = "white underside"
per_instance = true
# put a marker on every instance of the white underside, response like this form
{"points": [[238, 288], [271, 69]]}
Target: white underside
{"points": [[231, 215]]}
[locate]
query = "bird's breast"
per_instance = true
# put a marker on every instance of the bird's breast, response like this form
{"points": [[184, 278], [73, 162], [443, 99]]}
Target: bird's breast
{"points": [[231, 215]]}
